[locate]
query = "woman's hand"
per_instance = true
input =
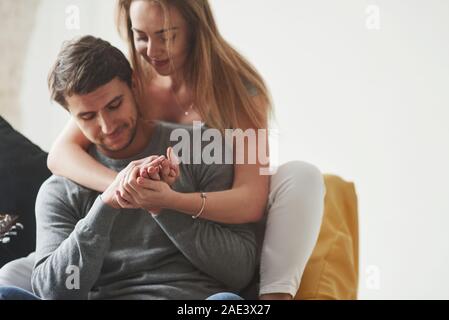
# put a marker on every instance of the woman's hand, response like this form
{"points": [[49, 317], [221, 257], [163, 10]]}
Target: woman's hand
{"points": [[148, 194], [165, 171], [133, 171], [168, 168]]}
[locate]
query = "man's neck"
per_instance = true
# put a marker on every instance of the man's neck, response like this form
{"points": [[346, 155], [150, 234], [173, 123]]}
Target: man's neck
{"points": [[142, 138]]}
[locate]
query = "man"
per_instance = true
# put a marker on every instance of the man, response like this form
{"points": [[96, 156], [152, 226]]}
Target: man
{"points": [[88, 246]]}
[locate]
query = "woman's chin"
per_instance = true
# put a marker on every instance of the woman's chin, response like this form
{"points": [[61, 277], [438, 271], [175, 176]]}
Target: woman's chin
{"points": [[166, 70], [163, 73]]}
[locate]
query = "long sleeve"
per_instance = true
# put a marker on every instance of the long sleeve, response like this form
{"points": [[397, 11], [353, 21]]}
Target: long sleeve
{"points": [[227, 253], [69, 249]]}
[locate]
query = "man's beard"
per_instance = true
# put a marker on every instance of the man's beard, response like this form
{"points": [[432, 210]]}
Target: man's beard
{"points": [[133, 129]]}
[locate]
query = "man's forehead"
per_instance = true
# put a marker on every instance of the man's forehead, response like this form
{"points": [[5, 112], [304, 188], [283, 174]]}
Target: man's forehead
{"points": [[96, 95], [96, 99]]}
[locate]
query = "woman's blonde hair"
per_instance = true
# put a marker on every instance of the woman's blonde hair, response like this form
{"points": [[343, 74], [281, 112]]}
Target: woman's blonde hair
{"points": [[223, 82]]}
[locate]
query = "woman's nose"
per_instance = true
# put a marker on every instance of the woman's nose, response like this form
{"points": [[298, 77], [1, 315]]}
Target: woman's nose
{"points": [[154, 50]]}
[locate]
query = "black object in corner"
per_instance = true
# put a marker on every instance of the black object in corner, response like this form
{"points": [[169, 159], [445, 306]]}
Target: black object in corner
{"points": [[23, 169]]}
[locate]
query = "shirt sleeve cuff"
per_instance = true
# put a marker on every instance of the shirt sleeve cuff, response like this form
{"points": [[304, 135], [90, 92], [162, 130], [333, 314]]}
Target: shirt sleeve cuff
{"points": [[100, 218]]}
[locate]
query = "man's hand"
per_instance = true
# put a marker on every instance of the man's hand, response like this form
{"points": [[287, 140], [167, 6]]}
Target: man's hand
{"points": [[133, 171], [133, 195], [113, 194], [133, 187], [109, 197], [148, 194], [167, 169]]}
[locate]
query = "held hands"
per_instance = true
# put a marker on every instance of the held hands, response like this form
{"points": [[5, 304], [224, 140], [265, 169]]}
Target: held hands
{"points": [[147, 183], [161, 168]]}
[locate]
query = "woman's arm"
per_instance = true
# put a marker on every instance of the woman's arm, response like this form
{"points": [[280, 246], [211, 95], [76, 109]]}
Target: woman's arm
{"points": [[244, 203], [69, 158]]}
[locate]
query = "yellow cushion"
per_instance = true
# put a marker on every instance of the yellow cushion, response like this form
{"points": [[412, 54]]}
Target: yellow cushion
{"points": [[332, 270]]}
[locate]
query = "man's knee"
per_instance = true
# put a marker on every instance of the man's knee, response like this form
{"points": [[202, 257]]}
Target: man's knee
{"points": [[13, 293], [17, 273], [225, 296]]}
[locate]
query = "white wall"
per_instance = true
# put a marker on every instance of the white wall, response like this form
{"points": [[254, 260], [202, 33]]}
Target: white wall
{"points": [[371, 106], [16, 23], [40, 119]]}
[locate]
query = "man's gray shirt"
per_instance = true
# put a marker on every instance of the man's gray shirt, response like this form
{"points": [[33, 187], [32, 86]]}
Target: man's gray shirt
{"points": [[130, 254]]}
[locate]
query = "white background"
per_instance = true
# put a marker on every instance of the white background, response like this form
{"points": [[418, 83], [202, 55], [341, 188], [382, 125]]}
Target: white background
{"points": [[371, 106]]}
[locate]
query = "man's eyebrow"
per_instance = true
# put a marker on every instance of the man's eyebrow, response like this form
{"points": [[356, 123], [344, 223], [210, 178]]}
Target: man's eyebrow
{"points": [[115, 99], [81, 114], [157, 32]]}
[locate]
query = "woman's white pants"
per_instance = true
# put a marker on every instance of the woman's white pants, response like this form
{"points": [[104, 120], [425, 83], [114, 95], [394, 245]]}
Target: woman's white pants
{"points": [[295, 211]]}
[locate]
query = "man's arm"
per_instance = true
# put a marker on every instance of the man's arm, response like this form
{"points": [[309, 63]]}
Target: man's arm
{"points": [[69, 251], [225, 252]]}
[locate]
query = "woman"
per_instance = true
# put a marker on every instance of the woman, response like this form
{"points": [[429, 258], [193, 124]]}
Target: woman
{"points": [[186, 71]]}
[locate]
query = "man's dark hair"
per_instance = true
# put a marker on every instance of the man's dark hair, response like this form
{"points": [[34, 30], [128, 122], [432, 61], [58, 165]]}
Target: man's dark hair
{"points": [[85, 64]]}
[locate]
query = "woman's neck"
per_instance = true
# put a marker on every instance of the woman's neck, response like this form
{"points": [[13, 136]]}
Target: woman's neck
{"points": [[175, 82], [168, 99]]}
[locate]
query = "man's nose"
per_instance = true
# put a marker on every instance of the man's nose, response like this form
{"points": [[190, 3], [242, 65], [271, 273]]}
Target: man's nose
{"points": [[106, 125]]}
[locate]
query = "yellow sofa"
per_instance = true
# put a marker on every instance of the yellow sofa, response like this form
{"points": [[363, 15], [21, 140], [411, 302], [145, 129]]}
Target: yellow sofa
{"points": [[332, 270]]}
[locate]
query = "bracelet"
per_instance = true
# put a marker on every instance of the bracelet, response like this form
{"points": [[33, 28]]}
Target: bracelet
{"points": [[203, 205]]}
